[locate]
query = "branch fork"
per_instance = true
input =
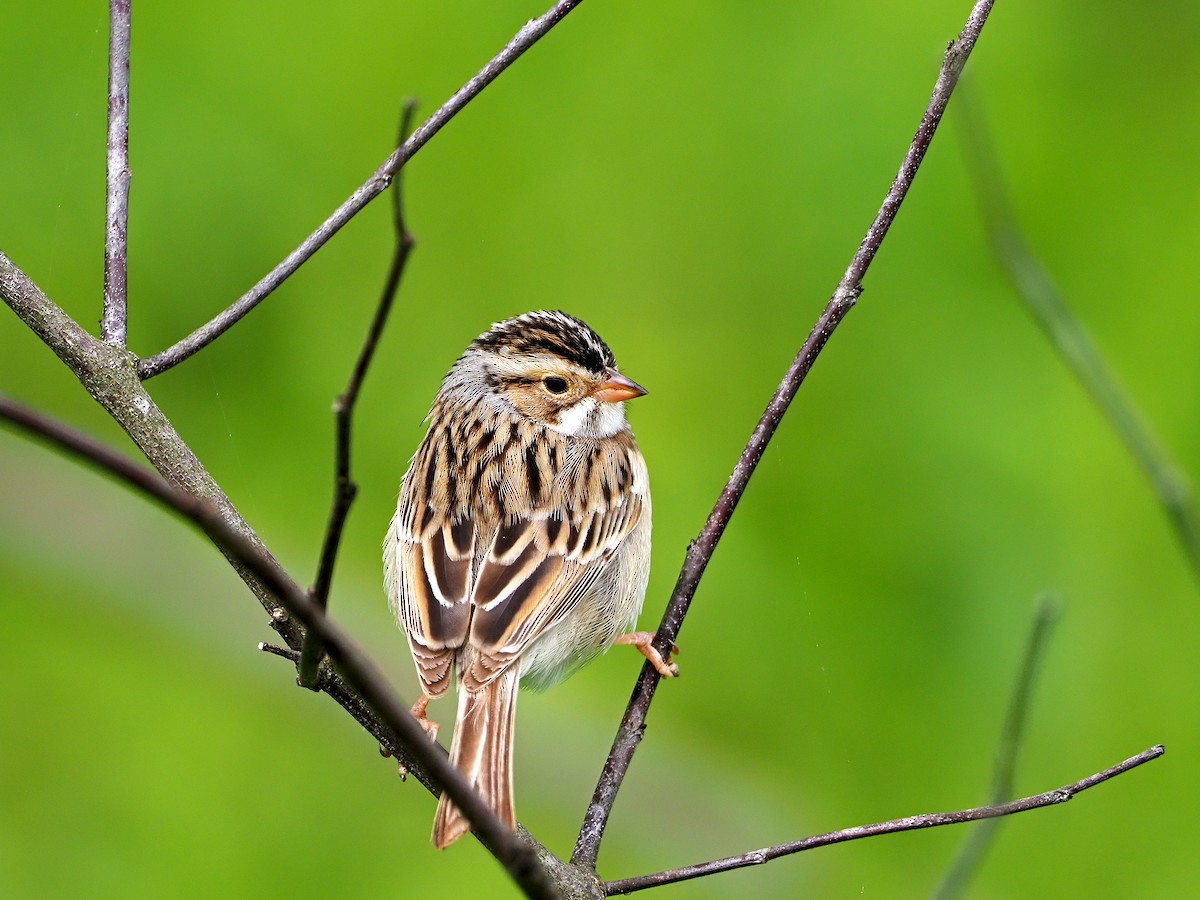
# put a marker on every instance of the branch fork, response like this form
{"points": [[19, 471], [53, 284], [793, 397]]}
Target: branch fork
{"points": [[113, 377]]}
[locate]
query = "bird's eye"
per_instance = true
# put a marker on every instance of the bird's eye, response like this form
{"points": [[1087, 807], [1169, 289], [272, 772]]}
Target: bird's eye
{"points": [[554, 384]]}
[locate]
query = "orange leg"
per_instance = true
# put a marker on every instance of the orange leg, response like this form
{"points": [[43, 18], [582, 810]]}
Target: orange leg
{"points": [[418, 710], [644, 641], [430, 727]]}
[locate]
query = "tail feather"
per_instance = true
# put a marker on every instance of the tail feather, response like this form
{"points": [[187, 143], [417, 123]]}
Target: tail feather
{"points": [[482, 750]]}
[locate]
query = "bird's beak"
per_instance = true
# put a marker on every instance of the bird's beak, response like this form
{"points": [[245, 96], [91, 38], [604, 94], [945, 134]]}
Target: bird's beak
{"points": [[616, 387]]}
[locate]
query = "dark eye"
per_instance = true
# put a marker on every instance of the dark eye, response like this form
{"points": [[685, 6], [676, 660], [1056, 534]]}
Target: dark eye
{"points": [[554, 384]]}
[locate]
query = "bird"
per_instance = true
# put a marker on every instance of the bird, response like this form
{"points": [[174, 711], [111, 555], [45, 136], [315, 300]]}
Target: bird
{"points": [[520, 546]]}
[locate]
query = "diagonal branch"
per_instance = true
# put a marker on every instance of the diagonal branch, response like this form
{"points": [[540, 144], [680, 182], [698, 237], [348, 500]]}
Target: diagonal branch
{"points": [[113, 322], [1070, 339], [908, 823], [344, 489], [701, 549], [530, 33], [109, 375], [516, 855]]}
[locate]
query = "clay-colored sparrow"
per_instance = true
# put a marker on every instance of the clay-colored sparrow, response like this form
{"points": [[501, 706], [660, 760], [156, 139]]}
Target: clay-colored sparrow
{"points": [[520, 547]]}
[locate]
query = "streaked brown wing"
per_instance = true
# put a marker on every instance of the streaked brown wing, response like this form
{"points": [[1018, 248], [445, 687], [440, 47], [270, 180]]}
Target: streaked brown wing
{"points": [[429, 583], [432, 546], [534, 574], [472, 565]]}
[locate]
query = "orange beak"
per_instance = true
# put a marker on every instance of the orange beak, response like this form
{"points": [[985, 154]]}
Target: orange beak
{"points": [[616, 387]]}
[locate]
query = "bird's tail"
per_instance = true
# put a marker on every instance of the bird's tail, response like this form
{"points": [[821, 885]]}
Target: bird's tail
{"points": [[482, 750]]}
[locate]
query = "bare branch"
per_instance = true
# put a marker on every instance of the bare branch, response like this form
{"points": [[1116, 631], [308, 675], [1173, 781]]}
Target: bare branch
{"points": [[108, 373], [1011, 733], [516, 855], [701, 549], [1070, 339], [909, 823], [113, 323], [530, 33], [344, 489]]}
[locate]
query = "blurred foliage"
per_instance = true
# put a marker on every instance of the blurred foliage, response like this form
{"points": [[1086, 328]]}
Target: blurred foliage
{"points": [[691, 180]]}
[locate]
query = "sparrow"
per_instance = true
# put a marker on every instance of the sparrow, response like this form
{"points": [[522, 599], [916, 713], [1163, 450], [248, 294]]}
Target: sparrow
{"points": [[520, 547]]}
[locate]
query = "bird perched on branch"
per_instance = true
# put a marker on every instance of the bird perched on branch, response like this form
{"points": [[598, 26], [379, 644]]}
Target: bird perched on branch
{"points": [[520, 546]]}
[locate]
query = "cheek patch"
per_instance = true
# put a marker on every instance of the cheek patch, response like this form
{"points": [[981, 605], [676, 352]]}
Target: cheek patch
{"points": [[573, 420]]}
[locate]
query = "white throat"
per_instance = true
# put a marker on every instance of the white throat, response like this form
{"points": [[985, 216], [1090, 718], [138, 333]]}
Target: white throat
{"points": [[591, 418]]}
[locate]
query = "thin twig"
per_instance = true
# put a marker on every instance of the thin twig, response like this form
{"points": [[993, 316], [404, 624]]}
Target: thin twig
{"points": [[529, 34], [1069, 338], [909, 823], [344, 488], [701, 549], [971, 853], [114, 322], [513, 853], [282, 652]]}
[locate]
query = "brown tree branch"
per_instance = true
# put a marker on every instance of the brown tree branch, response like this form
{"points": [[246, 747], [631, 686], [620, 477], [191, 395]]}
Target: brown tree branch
{"points": [[530, 33], [517, 856], [344, 488], [109, 374], [114, 320], [909, 823], [701, 549]]}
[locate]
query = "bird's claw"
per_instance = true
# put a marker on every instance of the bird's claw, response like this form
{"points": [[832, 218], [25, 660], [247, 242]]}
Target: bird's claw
{"points": [[644, 642]]}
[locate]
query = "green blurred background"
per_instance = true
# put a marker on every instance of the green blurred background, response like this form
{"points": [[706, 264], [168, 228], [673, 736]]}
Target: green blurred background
{"points": [[691, 179]]}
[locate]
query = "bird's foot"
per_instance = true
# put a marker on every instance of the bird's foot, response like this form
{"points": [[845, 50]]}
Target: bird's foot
{"points": [[644, 642]]}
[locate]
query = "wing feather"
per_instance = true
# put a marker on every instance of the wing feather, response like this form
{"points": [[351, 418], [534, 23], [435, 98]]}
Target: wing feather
{"points": [[510, 534], [429, 559], [517, 603]]}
